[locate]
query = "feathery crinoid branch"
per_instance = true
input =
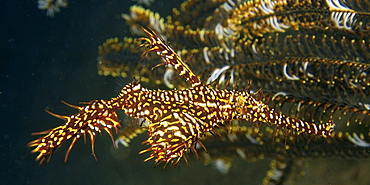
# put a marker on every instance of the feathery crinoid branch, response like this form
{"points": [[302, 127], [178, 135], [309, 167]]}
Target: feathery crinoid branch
{"points": [[52, 6]]}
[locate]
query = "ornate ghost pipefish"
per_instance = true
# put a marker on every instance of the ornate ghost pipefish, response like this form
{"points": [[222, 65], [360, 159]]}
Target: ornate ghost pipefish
{"points": [[177, 118]]}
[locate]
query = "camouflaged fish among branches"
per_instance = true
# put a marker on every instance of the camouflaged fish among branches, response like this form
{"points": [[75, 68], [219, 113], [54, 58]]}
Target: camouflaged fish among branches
{"points": [[177, 118], [312, 54], [310, 58]]}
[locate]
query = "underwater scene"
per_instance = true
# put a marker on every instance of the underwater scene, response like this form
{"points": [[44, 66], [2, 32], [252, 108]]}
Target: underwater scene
{"points": [[185, 92]]}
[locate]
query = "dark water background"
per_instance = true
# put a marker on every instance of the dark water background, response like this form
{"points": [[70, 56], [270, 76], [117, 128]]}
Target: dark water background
{"points": [[45, 60]]}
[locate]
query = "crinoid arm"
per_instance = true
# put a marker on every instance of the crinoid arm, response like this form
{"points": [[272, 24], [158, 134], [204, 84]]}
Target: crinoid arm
{"points": [[52, 6], [91, 119], [126, 134]]}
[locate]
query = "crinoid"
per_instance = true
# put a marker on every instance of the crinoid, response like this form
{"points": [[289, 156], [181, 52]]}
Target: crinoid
{"points": [[311, 57]]}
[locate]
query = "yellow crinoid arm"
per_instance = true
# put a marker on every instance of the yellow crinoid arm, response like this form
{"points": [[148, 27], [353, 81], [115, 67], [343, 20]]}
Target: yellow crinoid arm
{"points": [[126, 134]]}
